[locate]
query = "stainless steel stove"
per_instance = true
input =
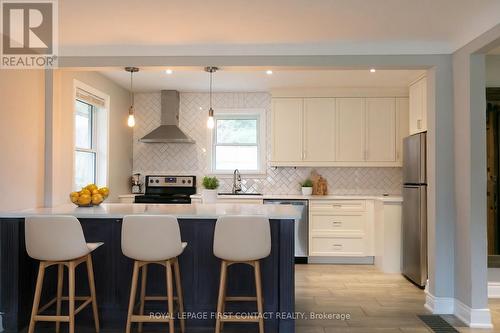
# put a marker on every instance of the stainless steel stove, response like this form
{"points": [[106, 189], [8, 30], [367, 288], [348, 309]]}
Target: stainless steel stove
{"points": [[168, 190]]}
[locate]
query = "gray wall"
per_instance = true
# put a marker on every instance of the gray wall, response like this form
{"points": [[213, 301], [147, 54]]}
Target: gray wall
{"points": [[470, 169]]}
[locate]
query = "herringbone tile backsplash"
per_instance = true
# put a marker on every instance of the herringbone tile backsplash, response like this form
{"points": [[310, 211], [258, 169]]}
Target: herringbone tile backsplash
{"points": [[190, 159]]}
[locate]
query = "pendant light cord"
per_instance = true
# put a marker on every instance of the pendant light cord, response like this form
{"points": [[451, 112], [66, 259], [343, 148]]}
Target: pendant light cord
{"points": [[131, 87], [211, 89]]}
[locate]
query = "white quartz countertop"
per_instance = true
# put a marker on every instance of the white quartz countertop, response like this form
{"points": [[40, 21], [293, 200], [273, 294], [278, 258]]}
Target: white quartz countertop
{"points": [[192, 211], [388, 198]]}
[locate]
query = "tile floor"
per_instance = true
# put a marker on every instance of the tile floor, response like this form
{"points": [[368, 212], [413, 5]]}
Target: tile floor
{"points": [[375, 301]]}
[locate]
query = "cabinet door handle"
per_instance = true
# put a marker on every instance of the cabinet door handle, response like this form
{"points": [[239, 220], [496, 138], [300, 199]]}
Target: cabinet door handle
{"points": [[419, 124], [337, 246], [336, 223]]}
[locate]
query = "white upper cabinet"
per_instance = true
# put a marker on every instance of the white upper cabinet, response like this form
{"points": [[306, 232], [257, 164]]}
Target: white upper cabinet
{"points": [[287, 129], [365, 132], [350, 128], [319, 125], [418, 106], [381, 129]]}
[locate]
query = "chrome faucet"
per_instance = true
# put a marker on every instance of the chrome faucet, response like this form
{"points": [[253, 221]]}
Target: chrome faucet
{"points": [[236, 181]]}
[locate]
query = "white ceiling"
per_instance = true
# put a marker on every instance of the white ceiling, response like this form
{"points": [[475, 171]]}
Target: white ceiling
{"points": [[253, 27], [246, 79]]}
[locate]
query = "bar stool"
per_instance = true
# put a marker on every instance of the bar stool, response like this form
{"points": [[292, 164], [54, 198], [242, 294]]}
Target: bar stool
{"points": [[241, 240], [59, 240], [149, 239]]}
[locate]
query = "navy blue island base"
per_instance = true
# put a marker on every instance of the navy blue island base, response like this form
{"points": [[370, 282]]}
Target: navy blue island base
{"points": [[113, 273]]}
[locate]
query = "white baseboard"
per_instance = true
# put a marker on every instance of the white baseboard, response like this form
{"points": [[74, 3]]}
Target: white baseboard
{"points": [[493, 289], [439, 305], [475, 318], [341, 260]]}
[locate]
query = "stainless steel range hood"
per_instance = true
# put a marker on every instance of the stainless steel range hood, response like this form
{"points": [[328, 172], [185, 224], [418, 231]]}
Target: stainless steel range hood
{"points": [[169, 131]]}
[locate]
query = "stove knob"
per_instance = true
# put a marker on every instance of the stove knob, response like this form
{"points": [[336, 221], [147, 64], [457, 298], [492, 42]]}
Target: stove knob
{"points": [[189, 181], [151, 181], [184, 181], [157, 181]]}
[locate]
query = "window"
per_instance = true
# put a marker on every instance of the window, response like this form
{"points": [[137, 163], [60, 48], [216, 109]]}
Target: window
{"points": [[85, 144], [90, 137], [237, 143]]}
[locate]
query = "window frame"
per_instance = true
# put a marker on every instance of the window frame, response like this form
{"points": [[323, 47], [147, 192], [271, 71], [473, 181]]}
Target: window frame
{"points": [[233, 114], [100, 137], [93, 139]]}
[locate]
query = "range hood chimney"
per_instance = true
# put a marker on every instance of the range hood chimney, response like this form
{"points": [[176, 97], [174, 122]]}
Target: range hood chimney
{"points": [[169, 131]]}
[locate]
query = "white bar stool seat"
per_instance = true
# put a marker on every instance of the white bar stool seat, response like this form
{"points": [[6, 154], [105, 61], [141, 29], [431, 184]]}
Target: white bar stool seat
{"points": [[153, 239], [59, 240], [241, 240]]}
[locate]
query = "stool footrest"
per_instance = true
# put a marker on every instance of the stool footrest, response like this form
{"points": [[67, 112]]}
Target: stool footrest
{"points": [[64, 298], [234, 319], [51, 318]]}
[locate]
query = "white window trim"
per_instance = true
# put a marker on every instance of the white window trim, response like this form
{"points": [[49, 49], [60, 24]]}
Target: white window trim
{"points": [[101, 121], [262, 143]]}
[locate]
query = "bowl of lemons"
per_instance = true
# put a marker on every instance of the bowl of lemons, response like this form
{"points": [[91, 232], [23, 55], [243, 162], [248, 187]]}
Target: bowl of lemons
{"points": [[89, 196]]}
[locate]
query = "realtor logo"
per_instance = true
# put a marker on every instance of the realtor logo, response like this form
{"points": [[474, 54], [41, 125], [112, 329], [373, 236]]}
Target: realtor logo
{"points": [[28, 34]]}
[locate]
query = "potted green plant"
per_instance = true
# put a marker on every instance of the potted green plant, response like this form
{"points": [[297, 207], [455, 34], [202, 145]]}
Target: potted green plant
{"points": [[209, 194], [307, 187]]}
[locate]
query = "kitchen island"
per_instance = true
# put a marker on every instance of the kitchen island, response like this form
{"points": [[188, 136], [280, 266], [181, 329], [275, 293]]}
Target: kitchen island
{"points": [[113, 272]]}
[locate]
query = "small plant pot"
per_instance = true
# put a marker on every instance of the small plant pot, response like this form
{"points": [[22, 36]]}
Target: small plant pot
{"points": [[209, 196], [307, 190]]}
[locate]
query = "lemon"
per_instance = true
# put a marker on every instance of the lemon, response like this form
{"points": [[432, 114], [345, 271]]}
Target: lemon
{"points": [[93, 192], [97, 199], [85, 191], [104, 191], [74, 197], [84, 200], [91, 187]]}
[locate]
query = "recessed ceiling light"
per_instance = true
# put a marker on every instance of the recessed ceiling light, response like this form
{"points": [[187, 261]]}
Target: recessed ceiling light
{"points": [[269, 72], [169, 71], [373, 70]]}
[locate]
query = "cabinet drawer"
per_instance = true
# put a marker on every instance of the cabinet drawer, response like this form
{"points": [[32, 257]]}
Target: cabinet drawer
{"points": [[338, 205], [351, 223], [337, 246]]}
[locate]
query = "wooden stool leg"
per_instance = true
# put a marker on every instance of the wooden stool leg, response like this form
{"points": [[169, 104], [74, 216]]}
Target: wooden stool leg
{"points": [[144, 276], [221, 300], [90, 273], [60, 273], [71, 296], [133, 290], [258, 288], [38, 293], [224, 299], [178, 287], [170, 295]]}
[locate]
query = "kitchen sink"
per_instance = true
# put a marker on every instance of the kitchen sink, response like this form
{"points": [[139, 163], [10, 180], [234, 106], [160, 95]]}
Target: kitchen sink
{"points": [[240, 193]]}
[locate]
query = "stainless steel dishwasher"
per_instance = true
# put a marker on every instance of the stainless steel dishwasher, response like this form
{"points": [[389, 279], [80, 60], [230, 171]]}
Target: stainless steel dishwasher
{"points": [[301, 226]]}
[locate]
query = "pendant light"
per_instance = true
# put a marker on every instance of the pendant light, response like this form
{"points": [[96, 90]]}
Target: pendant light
{"points": [[131, 117], [210, 121]]}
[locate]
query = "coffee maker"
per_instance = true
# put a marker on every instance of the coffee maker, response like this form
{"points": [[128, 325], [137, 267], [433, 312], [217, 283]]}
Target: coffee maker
{"points": [[136, 183]]}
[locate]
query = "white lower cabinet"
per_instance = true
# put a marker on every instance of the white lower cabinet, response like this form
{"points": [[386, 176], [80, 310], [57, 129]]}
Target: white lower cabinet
{"points": [[337, 246], [341, 228]]}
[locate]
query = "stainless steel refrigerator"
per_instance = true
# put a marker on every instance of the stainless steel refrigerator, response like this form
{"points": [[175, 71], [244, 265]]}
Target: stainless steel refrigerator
{"points": [[415, 209]]}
